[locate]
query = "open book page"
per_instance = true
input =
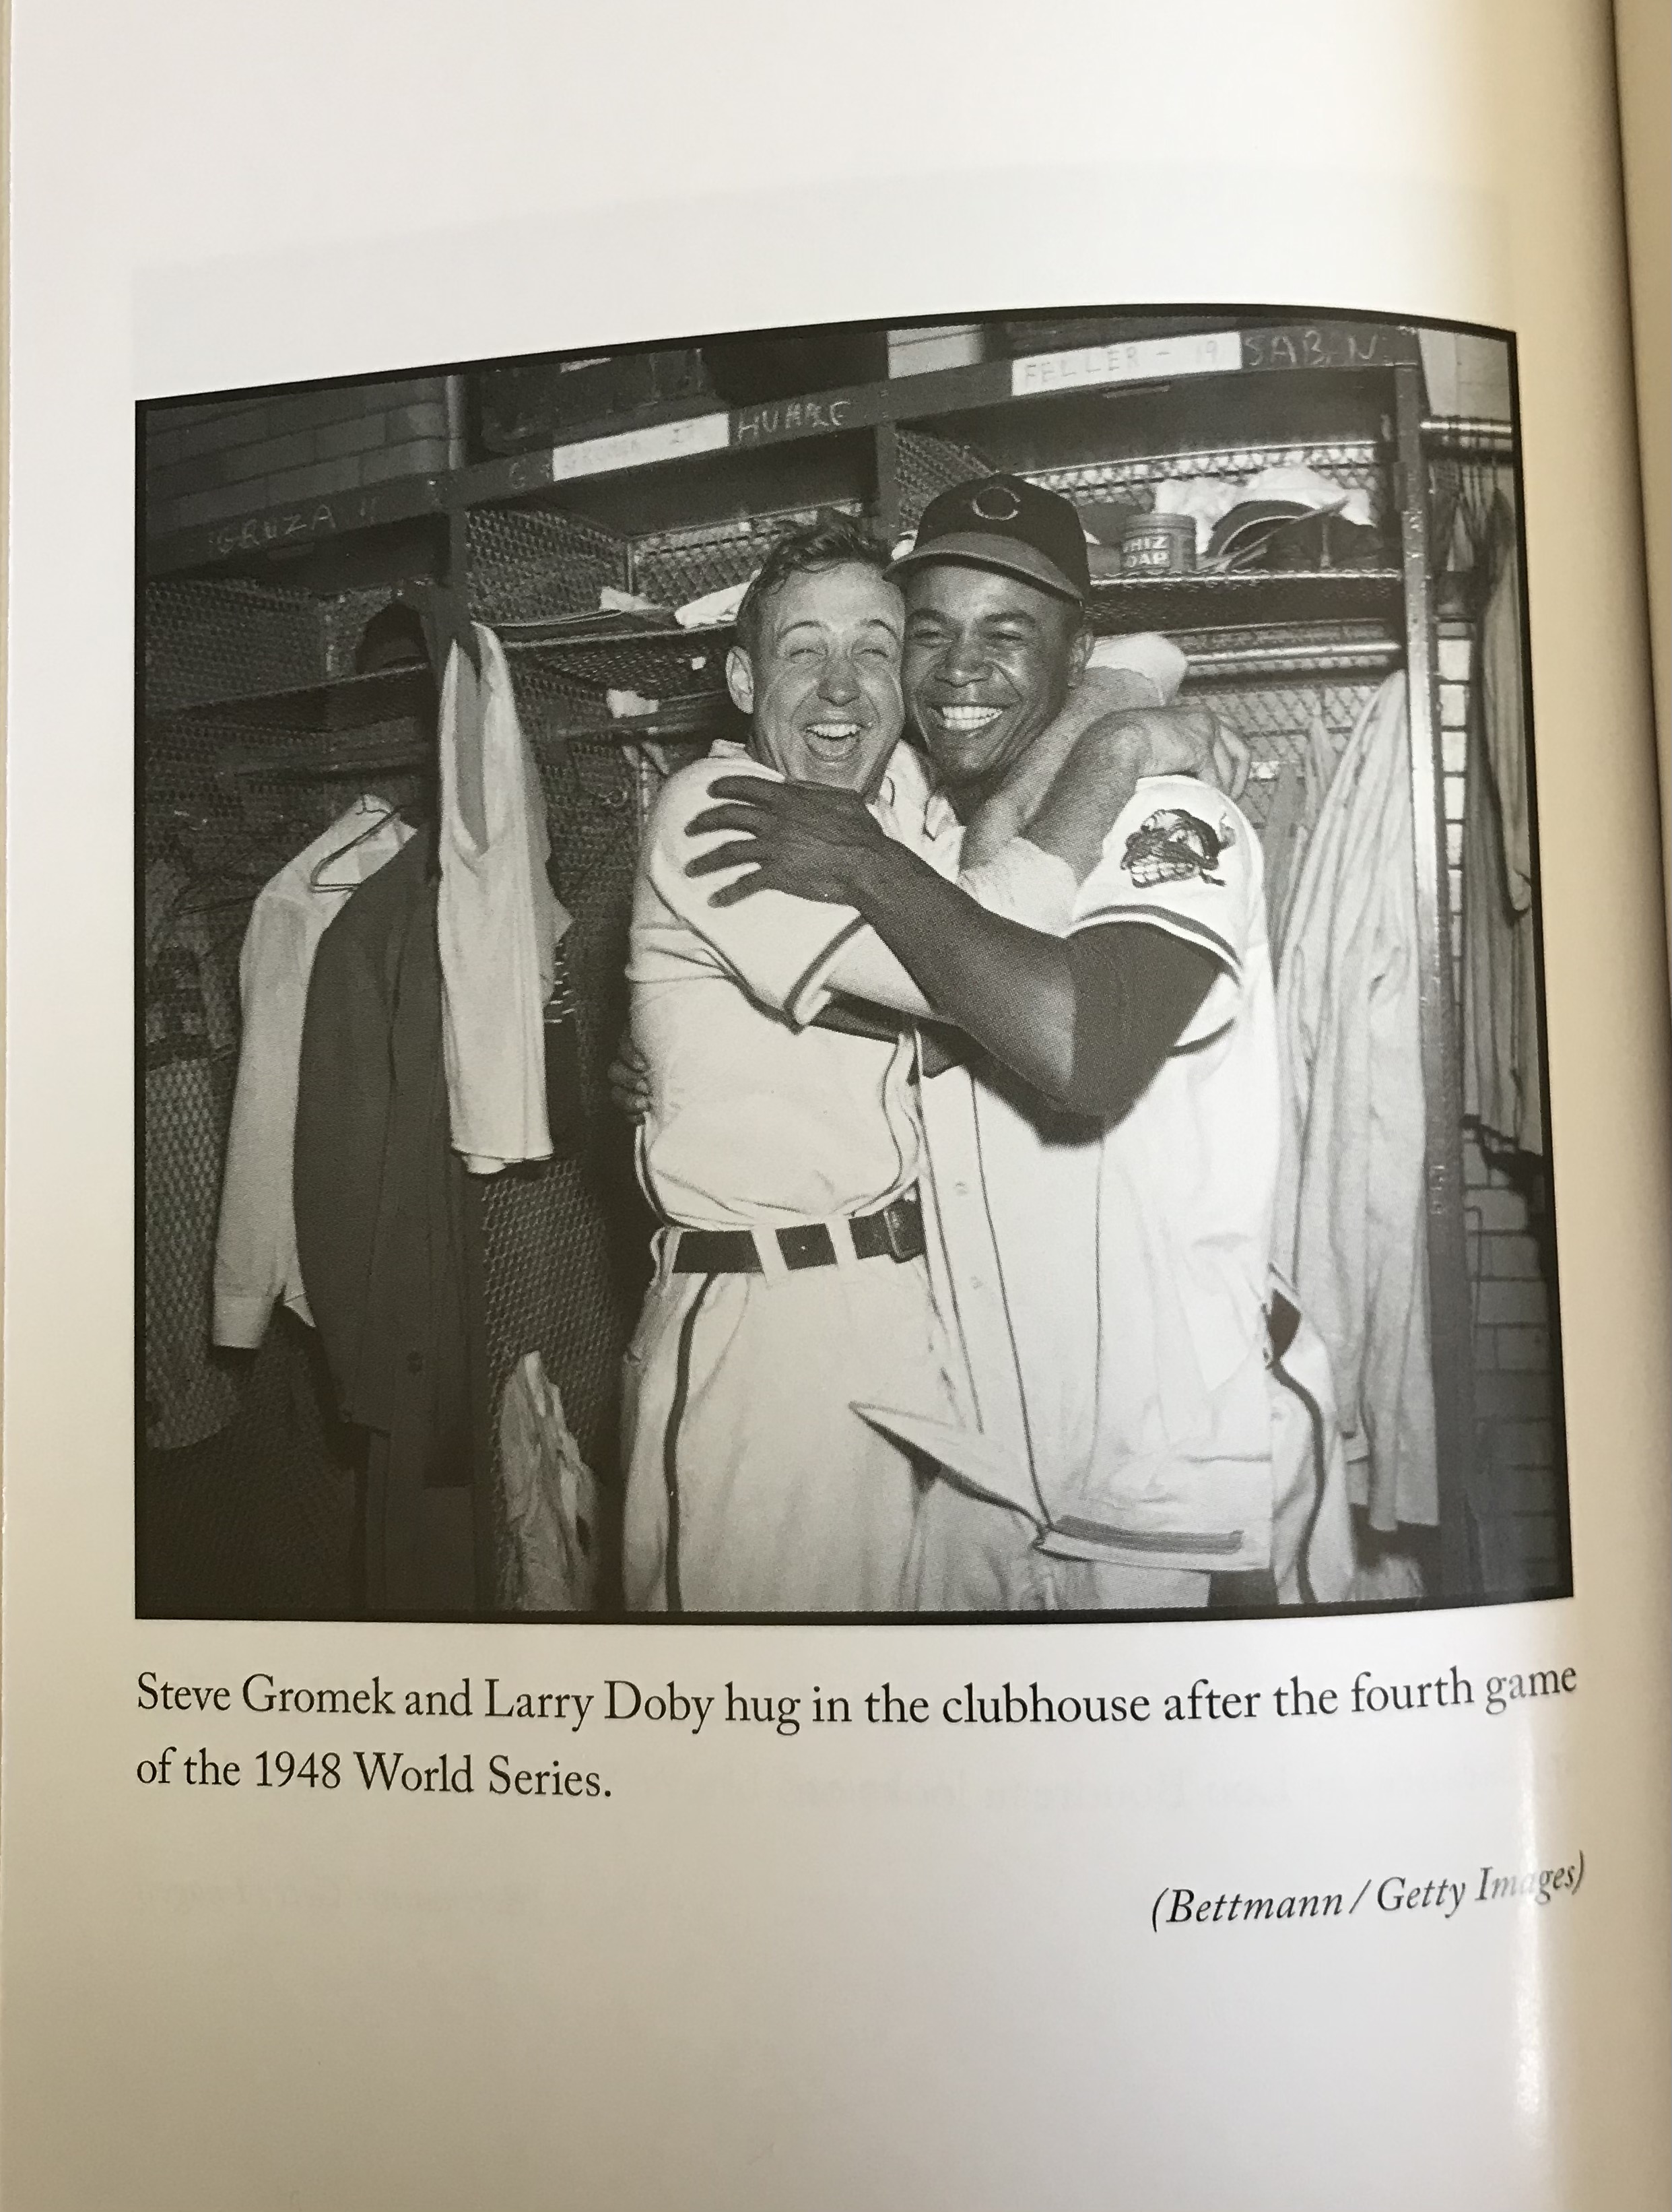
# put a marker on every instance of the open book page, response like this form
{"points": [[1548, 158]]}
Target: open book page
{"points": [[1643, 38], [632, 1576]]}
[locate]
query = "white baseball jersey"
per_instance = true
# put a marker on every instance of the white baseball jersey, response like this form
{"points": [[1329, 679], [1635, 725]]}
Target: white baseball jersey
{"points": [[1176, 1452], [1110, 1286], [753, 1486], [756, 1119]]}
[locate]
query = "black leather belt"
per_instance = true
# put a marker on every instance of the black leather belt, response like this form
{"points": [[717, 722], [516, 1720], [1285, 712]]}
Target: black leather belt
{"points": [[896, 1232]]}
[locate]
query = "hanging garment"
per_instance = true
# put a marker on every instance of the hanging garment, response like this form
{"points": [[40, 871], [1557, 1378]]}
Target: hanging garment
{"points": [[496, 919], [388, 1231], [1296, 803], [1351, 1228], [191, 1032], [1503, 1083], [255, 1255], [1318, 767], [548, 1505], [1284, 838]]}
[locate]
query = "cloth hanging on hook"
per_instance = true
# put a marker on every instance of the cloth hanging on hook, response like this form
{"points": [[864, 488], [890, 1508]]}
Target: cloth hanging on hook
{"points": [[256, 1263], [388, 1223], [498, 922], [1503, 1082], [1284, 838], [1351, 1221]]}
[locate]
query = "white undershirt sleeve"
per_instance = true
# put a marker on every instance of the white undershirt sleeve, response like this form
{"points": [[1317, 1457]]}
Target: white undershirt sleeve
{"points": [[1024, 884]]}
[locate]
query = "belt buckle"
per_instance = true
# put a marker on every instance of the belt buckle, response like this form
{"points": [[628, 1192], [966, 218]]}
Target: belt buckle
{"points": [[896, 1221], [809, 1245]]}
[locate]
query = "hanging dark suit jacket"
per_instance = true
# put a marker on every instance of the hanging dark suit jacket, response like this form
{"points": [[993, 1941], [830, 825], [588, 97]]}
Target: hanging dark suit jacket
{"points": [[387, 1221]]}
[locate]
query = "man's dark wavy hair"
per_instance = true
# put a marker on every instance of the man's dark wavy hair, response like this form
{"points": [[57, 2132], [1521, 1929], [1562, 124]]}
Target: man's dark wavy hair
{"points": [[830, 541]]}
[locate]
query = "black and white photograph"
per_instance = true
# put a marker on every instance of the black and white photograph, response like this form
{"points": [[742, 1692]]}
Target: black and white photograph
{"points": [[851, 973]]}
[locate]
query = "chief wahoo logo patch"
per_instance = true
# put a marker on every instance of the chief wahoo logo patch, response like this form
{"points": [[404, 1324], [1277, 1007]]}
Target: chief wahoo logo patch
{"points": [[1174, 845]]}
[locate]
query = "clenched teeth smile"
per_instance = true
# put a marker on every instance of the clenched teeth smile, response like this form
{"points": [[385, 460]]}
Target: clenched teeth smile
{"points": [[966, 720]]}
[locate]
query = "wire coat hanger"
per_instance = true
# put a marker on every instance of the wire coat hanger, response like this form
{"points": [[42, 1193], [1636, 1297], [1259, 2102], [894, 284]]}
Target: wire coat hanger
{"points": [[316, 874]]}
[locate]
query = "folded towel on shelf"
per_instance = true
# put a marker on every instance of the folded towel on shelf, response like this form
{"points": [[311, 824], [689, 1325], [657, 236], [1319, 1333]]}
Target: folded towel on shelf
{"points": [[612, 601], [713, 608], [1204, 499]]}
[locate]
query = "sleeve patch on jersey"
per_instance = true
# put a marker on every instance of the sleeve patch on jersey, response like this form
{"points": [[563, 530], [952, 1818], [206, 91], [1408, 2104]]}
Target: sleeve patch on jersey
{"points": [[1174, 845]]}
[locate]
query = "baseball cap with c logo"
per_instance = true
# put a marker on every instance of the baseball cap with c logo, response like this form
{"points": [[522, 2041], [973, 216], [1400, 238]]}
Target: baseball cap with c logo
{"points": [[1006, 523]]}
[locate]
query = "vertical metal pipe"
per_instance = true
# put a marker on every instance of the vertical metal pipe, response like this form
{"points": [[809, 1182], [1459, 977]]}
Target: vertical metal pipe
{"points": [[887, 481], [455, 556], [1450, 1319], [453, 400]]}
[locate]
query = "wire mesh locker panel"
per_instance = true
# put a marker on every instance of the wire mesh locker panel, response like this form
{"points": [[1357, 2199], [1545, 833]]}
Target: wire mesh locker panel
{"points": [[224, 638], [675, 566], [526, 565], [925, 465], [1302, 725], [563, 682]]}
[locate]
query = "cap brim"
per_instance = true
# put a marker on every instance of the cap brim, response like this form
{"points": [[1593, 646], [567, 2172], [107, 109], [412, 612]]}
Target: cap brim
{"points": [[975, 549], [1255, 515]]}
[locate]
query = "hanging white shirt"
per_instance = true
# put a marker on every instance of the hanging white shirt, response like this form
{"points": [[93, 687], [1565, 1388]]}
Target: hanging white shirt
{"points": [[255, 1252], [1351, 1220], [498, 923]]}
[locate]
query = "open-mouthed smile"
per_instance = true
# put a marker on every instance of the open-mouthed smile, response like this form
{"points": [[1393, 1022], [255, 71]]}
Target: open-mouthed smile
{"points": [[965, 722]]}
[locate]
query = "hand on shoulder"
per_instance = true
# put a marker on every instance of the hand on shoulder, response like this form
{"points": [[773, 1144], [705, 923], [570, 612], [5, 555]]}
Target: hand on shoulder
{"points": [[1109, 761], [1182, 740]]}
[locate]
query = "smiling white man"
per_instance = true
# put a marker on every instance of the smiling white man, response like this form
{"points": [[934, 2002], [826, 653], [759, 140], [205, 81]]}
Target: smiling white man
{"points": [[782, 1154]]}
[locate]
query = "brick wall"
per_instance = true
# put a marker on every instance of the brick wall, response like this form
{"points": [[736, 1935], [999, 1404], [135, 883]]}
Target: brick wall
{"points": [[1516, 1501], [207, 462], [1517, 1505]]}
